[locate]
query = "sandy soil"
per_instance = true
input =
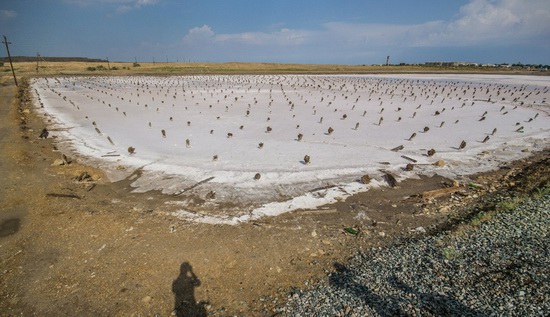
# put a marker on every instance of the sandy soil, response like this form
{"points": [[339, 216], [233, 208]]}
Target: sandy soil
{"points": [[73, 245]]}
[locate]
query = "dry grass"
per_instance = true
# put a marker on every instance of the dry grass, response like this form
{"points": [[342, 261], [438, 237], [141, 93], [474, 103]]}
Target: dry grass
{"points": [[83, 68]]}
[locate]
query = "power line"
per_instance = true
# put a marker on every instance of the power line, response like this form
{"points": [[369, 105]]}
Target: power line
{"points": [[9, 57]]}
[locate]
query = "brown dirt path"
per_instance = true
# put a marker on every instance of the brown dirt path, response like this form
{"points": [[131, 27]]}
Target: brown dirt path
{"points": [[92, 248]]}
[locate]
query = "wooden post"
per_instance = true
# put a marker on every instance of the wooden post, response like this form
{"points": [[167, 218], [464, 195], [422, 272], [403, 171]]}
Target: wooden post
{"points": [[9, 57]]}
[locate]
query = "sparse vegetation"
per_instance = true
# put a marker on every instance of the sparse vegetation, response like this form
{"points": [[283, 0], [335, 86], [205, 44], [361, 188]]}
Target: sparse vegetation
{"points": [[450, 253], [542, 191], [94, 68], [509, 204], [506, 205], [54, 67], [482, 217]]}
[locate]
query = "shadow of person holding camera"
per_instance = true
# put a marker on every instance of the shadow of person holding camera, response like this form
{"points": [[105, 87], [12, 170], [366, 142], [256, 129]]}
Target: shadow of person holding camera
{"points": [[183, 288]]}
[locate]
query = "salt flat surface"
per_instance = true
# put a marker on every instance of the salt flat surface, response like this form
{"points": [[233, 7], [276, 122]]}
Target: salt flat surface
{"points": [[188, 129]]}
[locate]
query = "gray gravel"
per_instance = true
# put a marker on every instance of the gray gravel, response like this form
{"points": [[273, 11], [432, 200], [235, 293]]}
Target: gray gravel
{"points": [[502, 268]]}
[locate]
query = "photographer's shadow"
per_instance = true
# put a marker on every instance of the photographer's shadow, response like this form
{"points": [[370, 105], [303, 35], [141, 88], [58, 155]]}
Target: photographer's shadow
{"points": [[183, 288]]}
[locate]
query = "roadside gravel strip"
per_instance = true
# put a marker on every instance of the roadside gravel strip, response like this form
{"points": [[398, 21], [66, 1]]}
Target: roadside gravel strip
{"points": [[499, 268]]}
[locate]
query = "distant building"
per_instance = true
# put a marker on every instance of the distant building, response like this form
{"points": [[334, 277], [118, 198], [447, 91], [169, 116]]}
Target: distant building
{"points": [[450, 64]]}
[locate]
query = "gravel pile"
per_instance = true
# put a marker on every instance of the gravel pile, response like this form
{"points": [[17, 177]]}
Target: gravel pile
{"points": [[501, 268]]}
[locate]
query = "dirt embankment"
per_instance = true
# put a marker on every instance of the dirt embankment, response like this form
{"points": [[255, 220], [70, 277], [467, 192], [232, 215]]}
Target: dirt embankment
{"points": [[72, 243]]}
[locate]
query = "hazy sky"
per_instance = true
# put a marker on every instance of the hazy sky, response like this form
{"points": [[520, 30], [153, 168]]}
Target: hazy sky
{"points": [[285, 31]]}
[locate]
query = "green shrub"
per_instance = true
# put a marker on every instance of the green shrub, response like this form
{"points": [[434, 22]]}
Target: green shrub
{"points": [[542, 191], [483, 217], [509, 204], [450, 253]]}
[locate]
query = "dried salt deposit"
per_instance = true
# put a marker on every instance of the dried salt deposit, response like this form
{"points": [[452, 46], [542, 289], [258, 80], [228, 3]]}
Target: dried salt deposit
{"points": [[221, 131]]}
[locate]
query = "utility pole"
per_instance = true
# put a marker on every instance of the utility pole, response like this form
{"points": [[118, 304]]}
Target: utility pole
{"points": [[37, 60], [9, 57]]}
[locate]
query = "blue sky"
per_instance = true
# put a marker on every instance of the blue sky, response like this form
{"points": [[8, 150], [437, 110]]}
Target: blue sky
{"points": [[282, 31]]}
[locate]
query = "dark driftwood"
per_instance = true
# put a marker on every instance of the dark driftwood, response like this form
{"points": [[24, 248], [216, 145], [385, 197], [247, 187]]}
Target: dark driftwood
{"points": [[63, 195], [397, 148], [195, 185], [389, 178], [322, 188], [408, 158]]}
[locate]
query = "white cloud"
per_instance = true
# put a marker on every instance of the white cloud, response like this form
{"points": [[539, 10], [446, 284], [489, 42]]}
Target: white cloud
{"points": [[122, 6], [6, 15], [199, 33], [205, 44], [283, 37], [205, 34], [492, 21], [146, 2], [478, 23]]}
